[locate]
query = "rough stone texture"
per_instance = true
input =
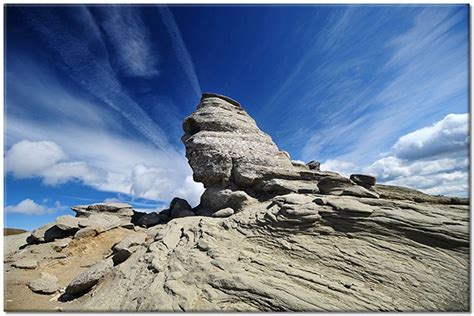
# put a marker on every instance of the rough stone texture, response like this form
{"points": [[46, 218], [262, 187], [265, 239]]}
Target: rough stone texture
{"points": [[335, 248], [225, 212], [86, 280], [180, 208], [150, 219], [67, 222], [89, 231], [47, 284], [227, 150], [121, 210], [363, 180], [292, 253], [25, 263], [314, 165], [214, 199], [60, 244]]}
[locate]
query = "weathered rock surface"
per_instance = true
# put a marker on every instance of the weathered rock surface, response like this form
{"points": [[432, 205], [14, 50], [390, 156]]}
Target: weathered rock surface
{"points": [[86, 280], [227, 150], [47, 284], [268, 235], [121, 210], [25, 263]]}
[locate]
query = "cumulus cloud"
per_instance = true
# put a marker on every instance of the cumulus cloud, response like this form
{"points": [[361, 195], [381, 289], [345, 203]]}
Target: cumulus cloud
{"points": [[113, 169], [346, 168], [30, 207], [448, 136], [153, 183], [26, 159], [433, 159]]}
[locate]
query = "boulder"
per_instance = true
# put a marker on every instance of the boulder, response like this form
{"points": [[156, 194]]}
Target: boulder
{"points": [[104, 222], [67, 222], [150, 219], [214, 199], [46, 284], [89, 231], [314, 165], [60, 244], [86, 280], [121, 210], [363, 180], [337, 185], [180, 208], [225, 212], [47, 233]]}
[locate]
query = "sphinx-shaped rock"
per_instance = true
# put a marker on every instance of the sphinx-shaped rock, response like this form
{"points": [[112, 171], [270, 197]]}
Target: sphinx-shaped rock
{"points": [[227, 151]]}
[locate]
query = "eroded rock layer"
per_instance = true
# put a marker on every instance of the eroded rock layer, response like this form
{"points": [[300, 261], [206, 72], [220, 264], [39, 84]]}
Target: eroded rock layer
{"points": [[269, 235]]}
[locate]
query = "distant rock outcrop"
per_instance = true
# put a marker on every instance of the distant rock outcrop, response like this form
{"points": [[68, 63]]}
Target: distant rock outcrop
{"points": [[270, 234]]}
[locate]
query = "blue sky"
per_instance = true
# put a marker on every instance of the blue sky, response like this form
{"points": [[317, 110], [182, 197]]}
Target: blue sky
{"points": [[95, 96]]}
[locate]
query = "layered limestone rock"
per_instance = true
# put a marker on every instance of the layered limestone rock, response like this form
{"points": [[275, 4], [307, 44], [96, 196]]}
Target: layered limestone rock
{"points": [[275, 236], [227, 151]]}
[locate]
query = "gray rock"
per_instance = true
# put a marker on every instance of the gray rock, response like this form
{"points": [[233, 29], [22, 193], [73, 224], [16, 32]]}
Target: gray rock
{"points": [[337, 185], [225, 212], [227, 151], [129, 241], [363, 180], [314, 165], [67, 222], [60, 244], [121, 210], [180, 208], [214, 199], [25, 263], [47, 284], [86, 280], [104, 222], [89, 231], [150, 219]]}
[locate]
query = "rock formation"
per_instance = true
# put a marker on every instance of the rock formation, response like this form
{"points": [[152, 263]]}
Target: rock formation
{"points": [[268, 235]]}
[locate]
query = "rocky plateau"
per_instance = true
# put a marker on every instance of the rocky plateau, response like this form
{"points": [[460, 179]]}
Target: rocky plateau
{"points": [[269, 234]]}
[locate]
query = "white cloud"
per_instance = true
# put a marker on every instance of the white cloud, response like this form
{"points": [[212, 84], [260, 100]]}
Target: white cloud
{"points": [[448, 136], [30, 207], [112, 166], [130, 40], [180, 48], [433, 159], [154, 183], [345, 168], [27, 159]]}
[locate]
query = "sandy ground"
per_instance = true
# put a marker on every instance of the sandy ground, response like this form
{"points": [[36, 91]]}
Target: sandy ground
{"points": [[77, 257]]}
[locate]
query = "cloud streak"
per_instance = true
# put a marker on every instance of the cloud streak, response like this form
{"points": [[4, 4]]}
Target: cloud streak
{"points": [[180, 48]]}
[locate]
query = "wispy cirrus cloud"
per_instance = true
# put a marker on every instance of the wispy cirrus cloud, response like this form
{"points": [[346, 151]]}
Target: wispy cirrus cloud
{"points": [[130, 41], [180, 48], [85, 58]]}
